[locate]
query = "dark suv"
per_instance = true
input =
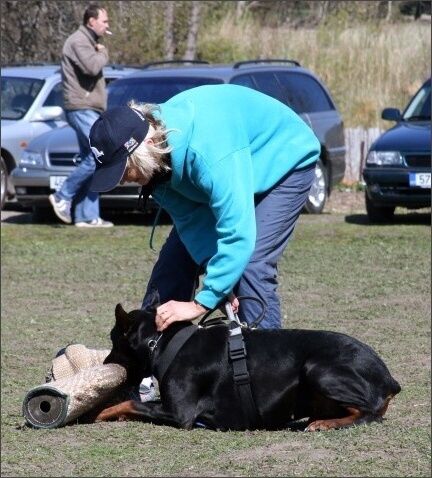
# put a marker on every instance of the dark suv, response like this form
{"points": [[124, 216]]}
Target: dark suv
{"points": [[49, 159]]}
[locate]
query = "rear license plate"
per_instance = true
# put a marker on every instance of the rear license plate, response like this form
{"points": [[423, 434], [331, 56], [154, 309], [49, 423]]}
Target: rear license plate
{"points": [[56, 182], [420, 180]]}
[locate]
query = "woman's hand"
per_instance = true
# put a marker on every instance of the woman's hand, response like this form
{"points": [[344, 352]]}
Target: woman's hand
{"points": [[235, 303], [174, 311]]}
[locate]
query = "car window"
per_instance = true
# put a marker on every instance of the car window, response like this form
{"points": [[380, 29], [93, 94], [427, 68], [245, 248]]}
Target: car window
{"points": [[17, 95], [420, 105], [265, 82], [55, 98], [152, 90], [303, 93], [244, 80], [300, 92]]}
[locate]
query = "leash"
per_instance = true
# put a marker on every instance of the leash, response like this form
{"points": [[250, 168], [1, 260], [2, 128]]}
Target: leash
{"points": [[205, 320]]}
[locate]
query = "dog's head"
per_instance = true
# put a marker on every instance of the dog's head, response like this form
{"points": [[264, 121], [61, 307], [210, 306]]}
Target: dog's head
{"points": [[130, 338]]}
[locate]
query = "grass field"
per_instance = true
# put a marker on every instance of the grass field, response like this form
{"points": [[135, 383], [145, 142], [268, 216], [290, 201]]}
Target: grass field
{"points": [[61, 284]]}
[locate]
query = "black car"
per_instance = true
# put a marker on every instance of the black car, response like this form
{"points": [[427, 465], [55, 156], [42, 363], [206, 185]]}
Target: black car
{"points": [[398, 165], [48, 160]]}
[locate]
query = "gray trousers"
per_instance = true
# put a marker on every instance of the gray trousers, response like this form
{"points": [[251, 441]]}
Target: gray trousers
{"points": [[176, 276]]}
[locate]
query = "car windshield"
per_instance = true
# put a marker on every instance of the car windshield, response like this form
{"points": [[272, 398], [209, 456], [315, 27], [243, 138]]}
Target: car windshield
{"points": [[17, 96], [152, 90], [419, 108]]}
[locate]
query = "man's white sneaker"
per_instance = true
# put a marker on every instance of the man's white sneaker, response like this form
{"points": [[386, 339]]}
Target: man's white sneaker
{"points": [[62, 208], [99, 222]]}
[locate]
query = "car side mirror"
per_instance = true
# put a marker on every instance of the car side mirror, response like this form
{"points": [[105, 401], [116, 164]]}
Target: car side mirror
{"points": [[391, 114], [49, 113]]}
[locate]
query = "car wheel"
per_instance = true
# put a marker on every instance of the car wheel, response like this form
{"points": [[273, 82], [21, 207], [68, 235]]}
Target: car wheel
{"points": [[317, 196], [378, 214], [4, 182]]}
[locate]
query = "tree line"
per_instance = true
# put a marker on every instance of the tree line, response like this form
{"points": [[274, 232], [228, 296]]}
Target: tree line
{"points": [[34, 31]]}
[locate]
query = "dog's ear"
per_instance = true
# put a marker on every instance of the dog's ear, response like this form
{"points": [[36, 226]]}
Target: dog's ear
{"points": [[123, 319], [154, 300]]}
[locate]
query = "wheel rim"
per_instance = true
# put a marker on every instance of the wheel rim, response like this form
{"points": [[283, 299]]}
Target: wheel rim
{"points": [[3, 182], [317, 191]]}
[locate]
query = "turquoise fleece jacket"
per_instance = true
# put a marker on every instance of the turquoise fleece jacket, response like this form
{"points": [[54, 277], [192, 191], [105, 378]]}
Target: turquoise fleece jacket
{"points": [[230, 143]]}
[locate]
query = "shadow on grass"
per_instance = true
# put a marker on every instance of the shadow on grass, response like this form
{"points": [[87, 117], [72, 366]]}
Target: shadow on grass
{"points": [[414, 218], [12, 215]]}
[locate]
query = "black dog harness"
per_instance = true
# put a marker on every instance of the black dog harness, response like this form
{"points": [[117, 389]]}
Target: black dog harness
{"points": [[236, 353], [171, 350]]}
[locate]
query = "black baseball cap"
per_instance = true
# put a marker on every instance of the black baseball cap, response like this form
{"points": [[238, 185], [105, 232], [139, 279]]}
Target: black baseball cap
{"points": [[114, 136]]}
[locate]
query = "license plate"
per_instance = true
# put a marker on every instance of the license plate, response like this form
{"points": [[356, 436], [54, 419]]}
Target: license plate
{"points": [[56, 182], [420, 180]]}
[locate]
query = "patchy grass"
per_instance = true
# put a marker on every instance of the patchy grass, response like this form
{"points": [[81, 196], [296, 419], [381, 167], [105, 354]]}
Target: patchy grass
{"points": [[61, 284]]}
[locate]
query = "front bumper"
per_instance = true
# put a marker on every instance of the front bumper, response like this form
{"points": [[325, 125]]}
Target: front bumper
{"points": [[32, 189], [391, 187]]}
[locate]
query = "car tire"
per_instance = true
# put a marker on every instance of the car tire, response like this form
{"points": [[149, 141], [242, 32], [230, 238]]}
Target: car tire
{"points": [[378, 214], [4, 183], [318, 192]]}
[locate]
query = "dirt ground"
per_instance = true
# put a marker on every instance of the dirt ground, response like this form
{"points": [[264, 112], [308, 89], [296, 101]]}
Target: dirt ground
{"points": [[345, 201]]}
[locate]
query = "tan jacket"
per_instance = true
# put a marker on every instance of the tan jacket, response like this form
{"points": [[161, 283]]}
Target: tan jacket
{"points": [[82, 72]]}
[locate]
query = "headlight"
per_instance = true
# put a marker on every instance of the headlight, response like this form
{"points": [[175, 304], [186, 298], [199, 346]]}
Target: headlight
{"points": [[384, 158], [30, 159]]}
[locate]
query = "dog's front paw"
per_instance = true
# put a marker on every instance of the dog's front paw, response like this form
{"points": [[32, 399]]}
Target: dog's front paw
{"points": [[117, 412]]}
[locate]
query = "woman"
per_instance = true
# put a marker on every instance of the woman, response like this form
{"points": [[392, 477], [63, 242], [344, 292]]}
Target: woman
{"points": [[233, 168]]}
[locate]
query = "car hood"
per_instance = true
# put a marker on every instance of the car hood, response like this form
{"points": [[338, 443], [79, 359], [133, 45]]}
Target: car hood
{"points": [[406, 137], [6, 122], [59, 140]]}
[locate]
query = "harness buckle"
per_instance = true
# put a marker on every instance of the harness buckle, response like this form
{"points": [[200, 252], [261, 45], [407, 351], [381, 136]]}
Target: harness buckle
{"points": [[152, 344], [242, 379], [237, 349]]}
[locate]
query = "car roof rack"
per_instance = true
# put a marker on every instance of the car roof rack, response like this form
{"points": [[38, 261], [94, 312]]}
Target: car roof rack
{"points": [[239, 64], [30, 63], [170, 62], [121, 66]]}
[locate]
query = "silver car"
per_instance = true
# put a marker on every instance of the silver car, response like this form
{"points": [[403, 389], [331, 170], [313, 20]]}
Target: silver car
{"points": [[31, 104]]}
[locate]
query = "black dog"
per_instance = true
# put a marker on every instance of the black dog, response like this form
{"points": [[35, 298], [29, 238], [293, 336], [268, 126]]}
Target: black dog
{"points": [[330, 378]]}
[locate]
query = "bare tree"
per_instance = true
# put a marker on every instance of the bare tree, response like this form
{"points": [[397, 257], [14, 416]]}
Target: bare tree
{"points": [[389, 11], [191, 43], [35, 31], [169, 31]]}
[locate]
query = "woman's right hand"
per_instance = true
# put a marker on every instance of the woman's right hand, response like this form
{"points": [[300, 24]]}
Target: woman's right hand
{"points": [[235, 303]]}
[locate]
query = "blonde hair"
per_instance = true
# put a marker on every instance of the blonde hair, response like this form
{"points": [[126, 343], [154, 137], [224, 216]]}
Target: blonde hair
{"points": [[150, 158]]}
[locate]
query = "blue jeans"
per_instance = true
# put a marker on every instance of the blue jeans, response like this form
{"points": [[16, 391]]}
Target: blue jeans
{"points": [[175, 275], [76, 187]]}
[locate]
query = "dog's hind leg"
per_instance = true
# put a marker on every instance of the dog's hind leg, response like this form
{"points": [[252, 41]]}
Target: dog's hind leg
{"points": [[354, 417]]}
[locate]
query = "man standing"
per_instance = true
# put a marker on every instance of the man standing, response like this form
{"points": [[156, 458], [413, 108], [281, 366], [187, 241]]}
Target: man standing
{"points": [[85, 98]]}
